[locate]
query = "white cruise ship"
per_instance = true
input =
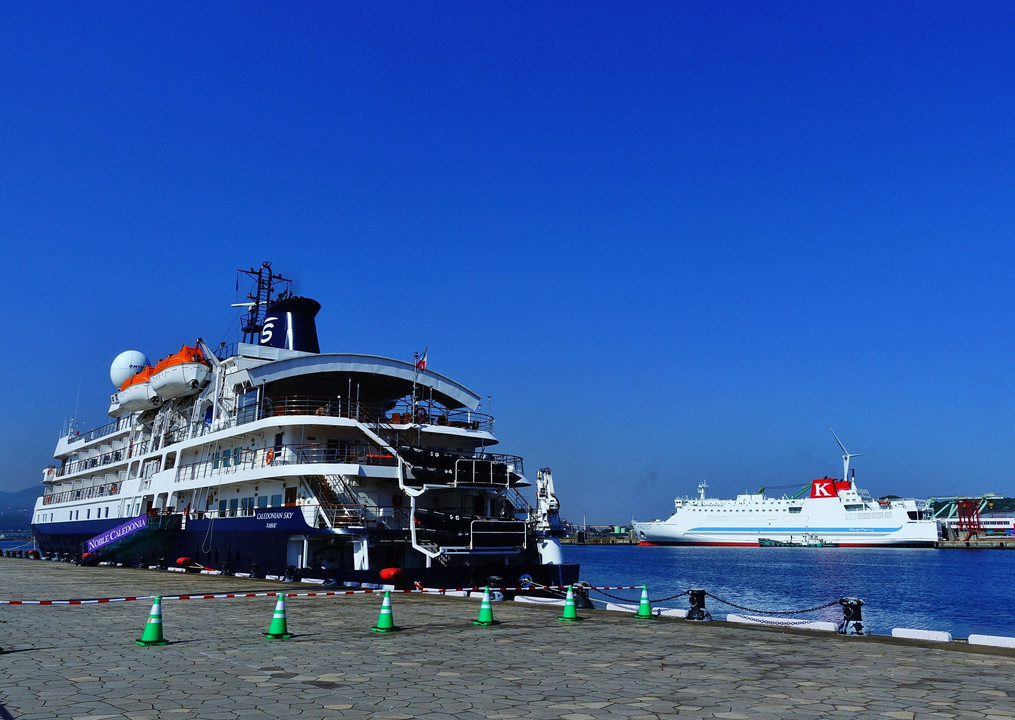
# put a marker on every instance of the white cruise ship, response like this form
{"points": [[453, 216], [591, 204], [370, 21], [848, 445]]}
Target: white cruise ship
{"points": [[269, 457], [836, 511]]}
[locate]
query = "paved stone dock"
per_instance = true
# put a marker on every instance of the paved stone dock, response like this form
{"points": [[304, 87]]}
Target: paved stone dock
{"points": [[82, 662]]}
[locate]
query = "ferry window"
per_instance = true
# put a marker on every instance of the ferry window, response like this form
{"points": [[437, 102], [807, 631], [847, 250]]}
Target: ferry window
{"points": [[794, 509], [88, 513], [225, 457], [215, 460], [233, 505], [222, 508], [276, 500], [107, 511], [236, 457]]}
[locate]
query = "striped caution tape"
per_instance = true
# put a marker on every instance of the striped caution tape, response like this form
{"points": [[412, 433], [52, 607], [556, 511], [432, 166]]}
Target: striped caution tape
{"points": [[326, 593]]}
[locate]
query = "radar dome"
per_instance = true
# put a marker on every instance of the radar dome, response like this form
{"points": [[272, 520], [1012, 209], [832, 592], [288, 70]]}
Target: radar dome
{"points": [[127, 364]]}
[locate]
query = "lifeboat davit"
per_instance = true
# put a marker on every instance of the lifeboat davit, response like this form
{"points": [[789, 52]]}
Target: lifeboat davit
{"points": [[136, 393], [181, 374]]}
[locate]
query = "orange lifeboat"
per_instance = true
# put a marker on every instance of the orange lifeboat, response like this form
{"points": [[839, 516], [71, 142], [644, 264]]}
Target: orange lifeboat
{"points": [[136, 392], [181, 374]]}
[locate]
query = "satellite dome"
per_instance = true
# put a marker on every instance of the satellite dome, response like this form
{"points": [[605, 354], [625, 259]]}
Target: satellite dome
{"points": [[127, 364]]}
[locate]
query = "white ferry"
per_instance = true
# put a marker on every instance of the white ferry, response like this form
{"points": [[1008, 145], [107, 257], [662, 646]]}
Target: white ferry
{"points": [[269, 457], [835, 510]]}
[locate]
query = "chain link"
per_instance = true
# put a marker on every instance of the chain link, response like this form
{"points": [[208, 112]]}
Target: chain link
{"points": [[773, 612], [628, 600]]}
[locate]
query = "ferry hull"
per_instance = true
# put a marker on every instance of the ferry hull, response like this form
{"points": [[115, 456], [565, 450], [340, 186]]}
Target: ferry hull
{"points": [[918, 534], [673, 543]]}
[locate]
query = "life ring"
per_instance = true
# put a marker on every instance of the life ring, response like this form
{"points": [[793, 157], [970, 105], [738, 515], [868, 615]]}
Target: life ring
{"points": [[269, 456]]}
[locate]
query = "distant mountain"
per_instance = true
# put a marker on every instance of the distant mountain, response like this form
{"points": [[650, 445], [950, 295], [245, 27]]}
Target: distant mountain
{"points": [[16, 509]]}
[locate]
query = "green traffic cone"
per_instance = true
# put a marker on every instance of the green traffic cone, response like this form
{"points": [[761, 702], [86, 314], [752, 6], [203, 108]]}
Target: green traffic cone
{"points": [[644, 607], [152, 634], [570, 615], [278, 630], [385, 622], [485, 610]]}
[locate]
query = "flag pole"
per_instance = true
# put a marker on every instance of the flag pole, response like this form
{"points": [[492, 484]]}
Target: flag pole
{"points": [[415, 374]]}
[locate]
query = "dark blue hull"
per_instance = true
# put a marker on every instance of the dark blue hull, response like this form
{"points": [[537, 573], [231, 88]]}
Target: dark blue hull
{"points": [[279, 542]]}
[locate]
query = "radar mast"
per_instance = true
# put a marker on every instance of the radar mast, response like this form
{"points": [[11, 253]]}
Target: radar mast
{"points": [[253, 321]]}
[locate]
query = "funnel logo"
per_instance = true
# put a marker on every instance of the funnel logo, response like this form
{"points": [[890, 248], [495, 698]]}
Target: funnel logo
{"points": [[827, 488], [268, 330]]}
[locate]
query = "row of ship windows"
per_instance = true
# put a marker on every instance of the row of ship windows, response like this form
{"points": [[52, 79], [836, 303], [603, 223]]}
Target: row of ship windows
{"points": [[719, 510], [245, 506], [76, 515]]}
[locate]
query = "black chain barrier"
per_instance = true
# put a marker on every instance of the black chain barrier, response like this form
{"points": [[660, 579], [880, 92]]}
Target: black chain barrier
{"points": [[628, 600], [774, 612]]}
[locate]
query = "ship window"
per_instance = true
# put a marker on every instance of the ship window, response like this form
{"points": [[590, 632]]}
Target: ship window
{"points": [[215, 460], [276, 500], [262, 501], [236, 457], [222, 508], [107, 511], [794, 509], [88, 513], [225, 457], [234, 503]]}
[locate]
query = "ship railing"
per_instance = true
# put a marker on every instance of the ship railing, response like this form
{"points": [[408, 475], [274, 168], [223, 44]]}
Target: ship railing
{"points": [[113, 456], [342, 515], [434, 414], [489, 534], [402, 414], [284, 455], [85, 493], [492, 536], [226, 351], [108, 429]]}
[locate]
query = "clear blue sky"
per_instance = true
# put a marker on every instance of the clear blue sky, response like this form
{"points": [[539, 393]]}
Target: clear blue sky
{"points": [[670, 241]]}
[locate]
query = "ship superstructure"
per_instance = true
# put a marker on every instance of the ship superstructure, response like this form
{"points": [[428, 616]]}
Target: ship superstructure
{"points": [[269, 457]]}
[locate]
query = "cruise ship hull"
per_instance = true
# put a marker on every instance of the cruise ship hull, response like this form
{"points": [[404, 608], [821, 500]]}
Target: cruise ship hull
{"points": [[244, 546]]}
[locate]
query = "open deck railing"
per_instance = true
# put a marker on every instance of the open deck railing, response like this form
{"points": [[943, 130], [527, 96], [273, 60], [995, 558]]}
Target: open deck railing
{"points": [[86, 493], [292, 454], [123, 423]]}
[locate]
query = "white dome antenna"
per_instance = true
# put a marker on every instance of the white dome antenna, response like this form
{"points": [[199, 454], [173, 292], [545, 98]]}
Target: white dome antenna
{"points": [[125, 365]]}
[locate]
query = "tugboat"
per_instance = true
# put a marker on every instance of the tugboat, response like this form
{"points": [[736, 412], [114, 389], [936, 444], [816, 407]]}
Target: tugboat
{"points": [[268, 457]]}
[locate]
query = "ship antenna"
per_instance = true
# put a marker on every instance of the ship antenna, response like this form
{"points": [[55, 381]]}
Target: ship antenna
{"points": [[846, 455], [253, 322]]}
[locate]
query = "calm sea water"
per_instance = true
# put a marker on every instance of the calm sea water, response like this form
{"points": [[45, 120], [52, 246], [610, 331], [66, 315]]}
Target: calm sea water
{"points": [[958, 591]]}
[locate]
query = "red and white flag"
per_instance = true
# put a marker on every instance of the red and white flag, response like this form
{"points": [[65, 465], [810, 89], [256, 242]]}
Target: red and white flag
{"points": [[421, 363]]}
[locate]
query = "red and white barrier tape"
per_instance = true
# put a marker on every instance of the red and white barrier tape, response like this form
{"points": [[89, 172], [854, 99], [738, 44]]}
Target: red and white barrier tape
{"points": [[326, 593]]}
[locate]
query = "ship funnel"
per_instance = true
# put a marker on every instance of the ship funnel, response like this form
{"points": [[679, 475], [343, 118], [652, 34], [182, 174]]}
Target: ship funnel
{"points": [[290, 324]]}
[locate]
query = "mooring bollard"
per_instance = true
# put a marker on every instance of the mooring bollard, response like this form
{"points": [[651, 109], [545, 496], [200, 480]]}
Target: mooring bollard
{"points": [[852, 617], [581, 598], [697, 611]]}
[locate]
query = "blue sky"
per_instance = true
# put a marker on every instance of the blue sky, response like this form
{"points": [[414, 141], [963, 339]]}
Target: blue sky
{"points": [[664, 241]]}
